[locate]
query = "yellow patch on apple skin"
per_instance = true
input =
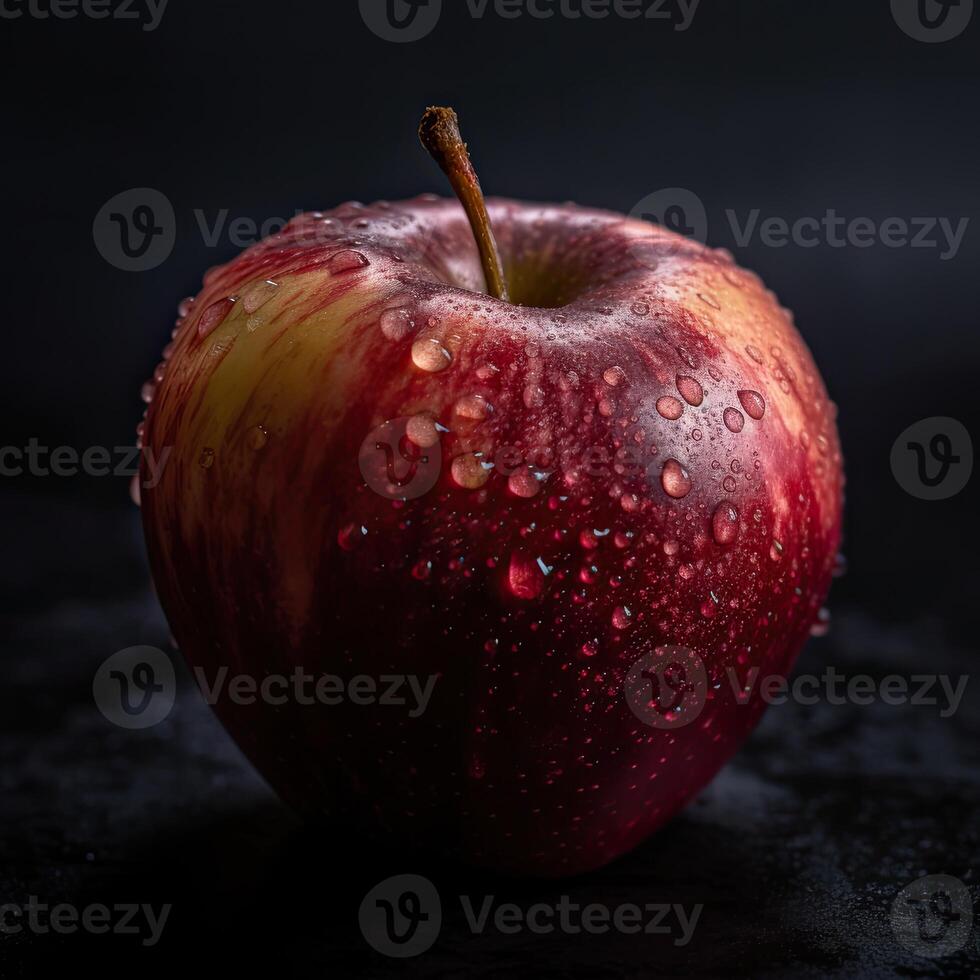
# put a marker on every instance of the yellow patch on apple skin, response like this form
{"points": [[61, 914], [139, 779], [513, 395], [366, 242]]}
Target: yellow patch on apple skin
{"points": [[289, 379]]}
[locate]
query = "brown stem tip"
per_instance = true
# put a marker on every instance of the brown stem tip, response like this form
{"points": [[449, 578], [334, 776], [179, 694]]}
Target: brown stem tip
{"points": [[439, 133]]}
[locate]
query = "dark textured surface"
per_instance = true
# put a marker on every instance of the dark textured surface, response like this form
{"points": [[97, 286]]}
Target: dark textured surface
{"points": [[796, 851]]}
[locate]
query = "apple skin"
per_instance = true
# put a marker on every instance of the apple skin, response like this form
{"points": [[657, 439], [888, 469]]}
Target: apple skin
{"points": [[274, 544]]}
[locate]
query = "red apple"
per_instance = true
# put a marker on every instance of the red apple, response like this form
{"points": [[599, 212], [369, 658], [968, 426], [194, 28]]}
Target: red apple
{"points": [[380, 468]]}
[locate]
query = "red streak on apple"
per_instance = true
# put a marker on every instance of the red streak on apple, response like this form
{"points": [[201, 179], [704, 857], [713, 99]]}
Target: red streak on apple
{"points": [[636, 451]]}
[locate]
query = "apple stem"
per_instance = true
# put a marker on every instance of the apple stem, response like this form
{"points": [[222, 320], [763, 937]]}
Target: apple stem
{"points": [[439, 133]]}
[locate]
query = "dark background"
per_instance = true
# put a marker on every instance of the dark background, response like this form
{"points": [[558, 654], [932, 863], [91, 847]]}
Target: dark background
{"points": [[263, 108]]}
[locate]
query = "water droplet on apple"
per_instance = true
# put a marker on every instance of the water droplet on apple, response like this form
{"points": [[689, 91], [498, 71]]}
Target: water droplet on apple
{"points": [[397, 323], [675, 480], [754, 353], [347, 260], [622, 617], [734, 419], [259, 295], [709, 300], [690, 389], [776, 551], [474, 407], [672, 547], [206, 459], [724, 523], [709, 607], [640, 309], [471, 471], [422, 430], [753, 403], [590, 648], [523, 483], [614, 376], [428, 354], [533, 396], [256, 437], [670, 407], [213, 316], [185, 306], [729, 484], [525, 576], [350, 536], [147, 392]]}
